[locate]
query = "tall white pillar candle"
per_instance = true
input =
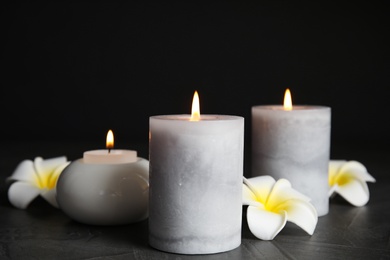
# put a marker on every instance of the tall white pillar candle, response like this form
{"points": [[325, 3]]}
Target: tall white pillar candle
{"points": [[295, 145], [196, 171]]}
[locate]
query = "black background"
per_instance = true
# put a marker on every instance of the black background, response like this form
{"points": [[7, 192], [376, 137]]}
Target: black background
{"points": [[72, 70]]}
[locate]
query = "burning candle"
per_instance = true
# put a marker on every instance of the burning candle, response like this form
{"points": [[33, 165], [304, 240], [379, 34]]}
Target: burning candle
{"points": [[293, 142], [105, 187], [110, 155], [196, 170]]}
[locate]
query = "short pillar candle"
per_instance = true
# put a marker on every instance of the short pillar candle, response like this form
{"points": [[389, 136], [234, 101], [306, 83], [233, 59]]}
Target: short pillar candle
{"points": [[196, 171], [294, 144]]}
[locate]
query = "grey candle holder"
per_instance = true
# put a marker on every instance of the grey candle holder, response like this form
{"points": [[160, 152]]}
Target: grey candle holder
{"points": [[105, 194]]}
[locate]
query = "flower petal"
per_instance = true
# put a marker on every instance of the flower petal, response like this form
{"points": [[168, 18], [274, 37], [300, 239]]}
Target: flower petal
{"points": [[354, 191], [248, 197], [20, 194], [45, 168], [261, 186], [23, 172], [302, 213], [264, 224], [50, 196], [332, 190], [52, 182], [358, 170], [48, 165]]}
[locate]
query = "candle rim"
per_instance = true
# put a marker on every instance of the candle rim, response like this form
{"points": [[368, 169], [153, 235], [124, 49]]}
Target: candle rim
{"points": [[114, 156], [303, 107], [203, 117], [112, 151]]}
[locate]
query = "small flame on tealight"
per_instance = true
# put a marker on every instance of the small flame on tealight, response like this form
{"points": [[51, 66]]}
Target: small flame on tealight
{"points": [[287, 104], [110, 140], [195, 111]]}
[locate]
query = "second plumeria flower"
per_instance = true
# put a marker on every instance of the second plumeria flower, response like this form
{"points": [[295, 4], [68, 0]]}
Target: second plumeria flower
{"points": [[33, 178], [349, 180], [272, 203]]}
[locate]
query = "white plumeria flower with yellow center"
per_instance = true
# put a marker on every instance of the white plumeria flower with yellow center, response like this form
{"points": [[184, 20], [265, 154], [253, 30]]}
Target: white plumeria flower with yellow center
{"points": [[272, 203], [348, 179], [33, 178]]}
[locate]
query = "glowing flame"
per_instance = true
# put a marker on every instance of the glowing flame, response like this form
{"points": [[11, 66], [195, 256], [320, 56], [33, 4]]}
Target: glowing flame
{"points": [[287, 100], [110, 140], [195, 111]]}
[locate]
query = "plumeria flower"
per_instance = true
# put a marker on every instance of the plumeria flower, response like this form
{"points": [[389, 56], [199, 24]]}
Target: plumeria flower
{"points": [[272, 203], [348, 179], [33, 178]]}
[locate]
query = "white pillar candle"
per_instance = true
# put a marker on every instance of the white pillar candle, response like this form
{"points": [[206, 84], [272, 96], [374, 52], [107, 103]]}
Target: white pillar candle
{"points": [[294, 144], [196, 171]]}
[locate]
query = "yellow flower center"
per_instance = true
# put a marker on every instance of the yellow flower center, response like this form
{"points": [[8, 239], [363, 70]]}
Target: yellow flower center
{"points": [[344, 179], [46, 180], [271, 208], [267, 205], [341, 180]]}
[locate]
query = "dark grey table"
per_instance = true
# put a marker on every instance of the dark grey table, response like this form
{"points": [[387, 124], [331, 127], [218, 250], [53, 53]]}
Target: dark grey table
{"points": [[44, 232]]}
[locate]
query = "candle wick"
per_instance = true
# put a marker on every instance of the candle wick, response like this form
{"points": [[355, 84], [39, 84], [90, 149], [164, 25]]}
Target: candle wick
{"points": [[109, 150]]}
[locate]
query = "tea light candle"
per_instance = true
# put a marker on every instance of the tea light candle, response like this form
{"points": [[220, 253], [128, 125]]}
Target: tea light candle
{"points": [[109, 155], [293, 142], [105, 187], [196, 171]]}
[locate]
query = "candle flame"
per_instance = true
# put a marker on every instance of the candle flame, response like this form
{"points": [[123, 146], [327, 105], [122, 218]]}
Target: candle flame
{"points": [[195, 111], [287, 104], [110, 140]]}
